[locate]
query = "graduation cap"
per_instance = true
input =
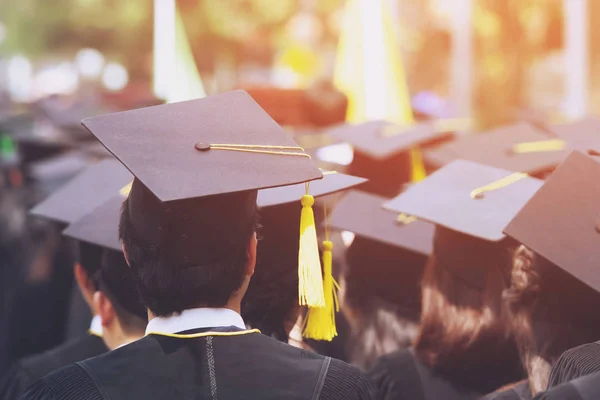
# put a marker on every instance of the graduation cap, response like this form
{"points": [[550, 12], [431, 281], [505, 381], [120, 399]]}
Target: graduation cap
{"points": [[582, 135], [100, 227], [561, 222], [471, 204], [362, 214], [86, 191], [382, 151], [517, 148], [199, 163]]}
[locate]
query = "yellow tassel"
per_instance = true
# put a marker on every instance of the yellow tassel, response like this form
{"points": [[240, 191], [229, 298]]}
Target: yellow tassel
{"points": [[418, 172], [310, 280], [320, 322]]}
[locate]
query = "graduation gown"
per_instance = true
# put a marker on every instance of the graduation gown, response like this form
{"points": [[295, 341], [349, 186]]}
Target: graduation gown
{"points": [[583, 388], [574, 363], [518, 392], [209, 363], [28, 370], [401, 375]]}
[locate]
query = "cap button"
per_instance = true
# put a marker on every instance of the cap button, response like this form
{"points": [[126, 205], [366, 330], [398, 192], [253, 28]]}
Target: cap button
{"points": [[201, 146]]}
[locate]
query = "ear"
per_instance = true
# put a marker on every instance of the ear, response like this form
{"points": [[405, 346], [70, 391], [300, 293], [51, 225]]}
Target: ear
{"points": [[82, 278], [104, 308], [251, 254], [125, 254]]}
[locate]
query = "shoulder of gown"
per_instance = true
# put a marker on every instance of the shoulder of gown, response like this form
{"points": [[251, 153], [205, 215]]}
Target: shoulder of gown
{"points": [[28, 370], [394, 376], [68, 383], [344, 381], [576, 362]]}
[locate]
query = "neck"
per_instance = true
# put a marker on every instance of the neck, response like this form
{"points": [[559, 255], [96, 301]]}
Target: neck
{"points": [[234, 304], [117, 339]]}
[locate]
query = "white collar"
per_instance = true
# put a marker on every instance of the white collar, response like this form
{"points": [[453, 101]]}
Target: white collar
{"points": [[195, 318], [96, 326]]}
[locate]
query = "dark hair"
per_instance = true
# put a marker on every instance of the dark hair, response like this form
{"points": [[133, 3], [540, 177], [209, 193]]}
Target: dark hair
{"points": [[383, 317], [115, 280], [464, 332], [552, 311], [89, 257], [167, 287], [271, 302]]}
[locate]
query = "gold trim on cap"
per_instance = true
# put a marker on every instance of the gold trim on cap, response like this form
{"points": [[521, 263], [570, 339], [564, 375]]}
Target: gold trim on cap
{"points": [[500, 183]]}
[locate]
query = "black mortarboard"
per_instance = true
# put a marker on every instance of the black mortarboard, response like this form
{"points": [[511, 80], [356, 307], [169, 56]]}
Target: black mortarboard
{"points": [[199, 164], [504, 147], [99, 227], [471, 204], [86, 191], [58, 168], [382, 151], [362, 214], [562, 221], [332, 182], [467, 197]]}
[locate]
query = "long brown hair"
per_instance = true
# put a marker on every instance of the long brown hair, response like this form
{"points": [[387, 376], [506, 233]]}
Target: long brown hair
{"points": [[464, 333], [551, 312]]}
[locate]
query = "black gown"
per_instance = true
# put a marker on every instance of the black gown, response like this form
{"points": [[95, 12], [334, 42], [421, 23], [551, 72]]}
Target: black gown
{"points": [[28, 370], [220, 363], [518, 392], [583, 388], [402, 376], [574, 363]]}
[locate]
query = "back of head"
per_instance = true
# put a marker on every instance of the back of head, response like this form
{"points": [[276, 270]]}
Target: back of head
{"points": [[271, 302], [89, 257], [188, 253], [382, 299], [115, 280], [552, 312], [464, 332]]}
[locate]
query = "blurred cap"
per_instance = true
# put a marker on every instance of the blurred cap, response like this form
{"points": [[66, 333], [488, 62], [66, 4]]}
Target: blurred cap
{"points": [[59, 167], [100, 227], [381, 139], [362, 214], [85, 192], [332, 182], [582, 135], [562, 221], [197, 148], [469, 198], [517, 148]]}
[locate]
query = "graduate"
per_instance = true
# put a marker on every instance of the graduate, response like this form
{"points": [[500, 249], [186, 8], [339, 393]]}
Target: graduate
{"points": [[383, 316], [271, 302], [555, 291], [122, 315], [188, 230], [464, 348], [68, 205]]}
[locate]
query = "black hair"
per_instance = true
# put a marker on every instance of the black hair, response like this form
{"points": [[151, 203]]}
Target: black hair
{"points": [[89, 257], [115, 280], [168, 286]]}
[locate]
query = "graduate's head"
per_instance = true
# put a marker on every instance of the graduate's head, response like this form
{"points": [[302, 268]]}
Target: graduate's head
{"points": [[555, 285], [88, 263], [552, 311], [271, 303], [189, 253], [463, 322], [117, 302], [188, 224]]}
